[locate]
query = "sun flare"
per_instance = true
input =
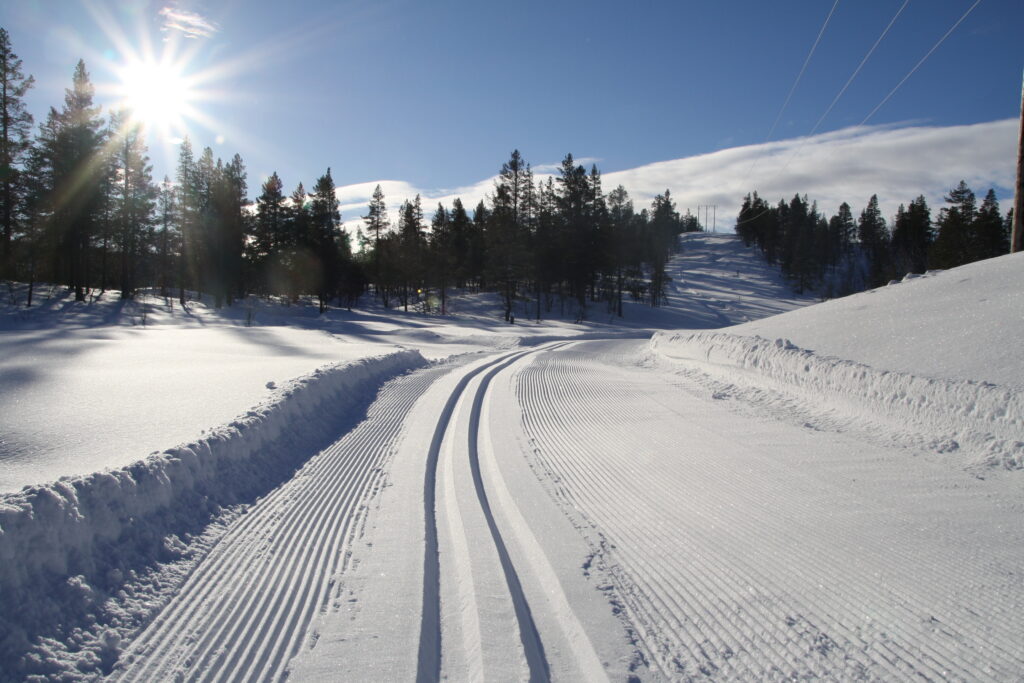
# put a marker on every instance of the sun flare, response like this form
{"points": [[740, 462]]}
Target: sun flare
{"points": [[156, 94]]}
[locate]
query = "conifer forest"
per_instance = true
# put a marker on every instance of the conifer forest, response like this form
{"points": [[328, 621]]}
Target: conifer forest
{"points": [[80, 208]]}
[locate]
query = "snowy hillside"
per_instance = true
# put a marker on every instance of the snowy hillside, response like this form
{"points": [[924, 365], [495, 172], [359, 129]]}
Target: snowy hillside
{"points": [[761, 489]]}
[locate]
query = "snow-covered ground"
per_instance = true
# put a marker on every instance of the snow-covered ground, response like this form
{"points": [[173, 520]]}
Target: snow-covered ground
{"points": [[833, 492]]}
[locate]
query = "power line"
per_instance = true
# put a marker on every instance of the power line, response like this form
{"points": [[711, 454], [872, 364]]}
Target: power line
{"points": [[792, 89], [918, 65], [860, 66], [842, 90], [891, 92]]}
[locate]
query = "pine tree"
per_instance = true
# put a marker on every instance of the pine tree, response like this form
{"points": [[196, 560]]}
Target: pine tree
{"points": [[72, 164], [460, 227], [327, 239], [911, 237], [574, 208], [15, 141], [188, 217], [169, 238], [989, 234], [874, 241], [441, 253], [505, 247], [663, 232], [232, 226], [412, 247], [376, 226], [271, 236], [133, 196], [620, 240], [953, 241]]}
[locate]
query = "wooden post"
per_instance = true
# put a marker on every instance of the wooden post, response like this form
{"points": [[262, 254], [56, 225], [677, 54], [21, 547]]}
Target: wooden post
{"points": [[1017, 237]]}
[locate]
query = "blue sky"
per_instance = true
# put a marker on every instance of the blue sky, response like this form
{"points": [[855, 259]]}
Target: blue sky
{"points": [[434, 95]]}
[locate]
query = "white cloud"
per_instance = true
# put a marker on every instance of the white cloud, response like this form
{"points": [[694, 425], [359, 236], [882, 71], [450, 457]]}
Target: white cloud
{"points": [[897, 163], [190, 24], [585, 162]]}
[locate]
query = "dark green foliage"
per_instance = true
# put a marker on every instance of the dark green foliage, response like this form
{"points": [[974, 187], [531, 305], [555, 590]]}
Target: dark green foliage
{"points": [[840, 256], [874, 240], [989, 234], [327, 240], [953, 243], [15, 143], [911, 237], [72, 173], [85, 211], [133, 198]]}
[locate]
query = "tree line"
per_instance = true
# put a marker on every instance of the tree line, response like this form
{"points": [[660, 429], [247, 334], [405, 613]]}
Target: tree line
{"points": [[80, 207], [839, 255]]}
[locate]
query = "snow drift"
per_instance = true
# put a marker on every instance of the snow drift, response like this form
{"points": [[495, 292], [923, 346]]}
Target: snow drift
{"points": [[981, 420], [76, 539]]}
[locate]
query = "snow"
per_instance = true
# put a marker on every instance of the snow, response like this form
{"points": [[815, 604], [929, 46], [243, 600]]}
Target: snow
{"points": [[960, 324], [68, 528], [742, 485]]}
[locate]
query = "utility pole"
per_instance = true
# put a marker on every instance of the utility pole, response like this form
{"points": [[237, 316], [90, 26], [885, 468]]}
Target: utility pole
{"points": [[1017, 237], [710, 217]]}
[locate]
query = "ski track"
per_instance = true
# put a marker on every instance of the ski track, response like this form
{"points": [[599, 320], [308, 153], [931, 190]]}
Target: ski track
{"points": [[463, 546], [706, 595], [243, 613]]}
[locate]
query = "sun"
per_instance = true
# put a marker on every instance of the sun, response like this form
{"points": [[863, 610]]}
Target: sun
{"points": [[157, 95]]}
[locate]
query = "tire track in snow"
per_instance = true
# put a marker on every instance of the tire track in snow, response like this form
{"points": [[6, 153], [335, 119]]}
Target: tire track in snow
{"points": [[696, 577], [244, 612]]}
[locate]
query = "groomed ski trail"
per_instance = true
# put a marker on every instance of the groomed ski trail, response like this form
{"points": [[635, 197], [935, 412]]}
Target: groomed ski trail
{"points": [[747, 549], [478, 618], [245, 610], [277, 579]]}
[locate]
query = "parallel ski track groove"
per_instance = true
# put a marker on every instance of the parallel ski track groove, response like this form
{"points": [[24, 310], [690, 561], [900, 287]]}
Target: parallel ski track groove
{"points": [[244, 611], [677, 601], [430, 645], [532, 645]]}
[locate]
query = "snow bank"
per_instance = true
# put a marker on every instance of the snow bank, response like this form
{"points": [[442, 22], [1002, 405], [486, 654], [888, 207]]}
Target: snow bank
{"points": [[984, 421], [84, 535]]}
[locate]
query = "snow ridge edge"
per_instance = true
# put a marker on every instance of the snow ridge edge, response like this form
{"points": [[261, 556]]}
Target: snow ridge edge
{"points": [[93, 529], [984, 421]]}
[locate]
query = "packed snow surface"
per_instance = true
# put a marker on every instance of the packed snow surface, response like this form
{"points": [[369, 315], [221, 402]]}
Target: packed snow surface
{"points": [[962, 324], [741, 495]]}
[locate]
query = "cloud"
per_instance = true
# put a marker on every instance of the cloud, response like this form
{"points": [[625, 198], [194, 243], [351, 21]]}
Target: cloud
{"points": [[190, 24], [585, 162], [897, 163]]}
